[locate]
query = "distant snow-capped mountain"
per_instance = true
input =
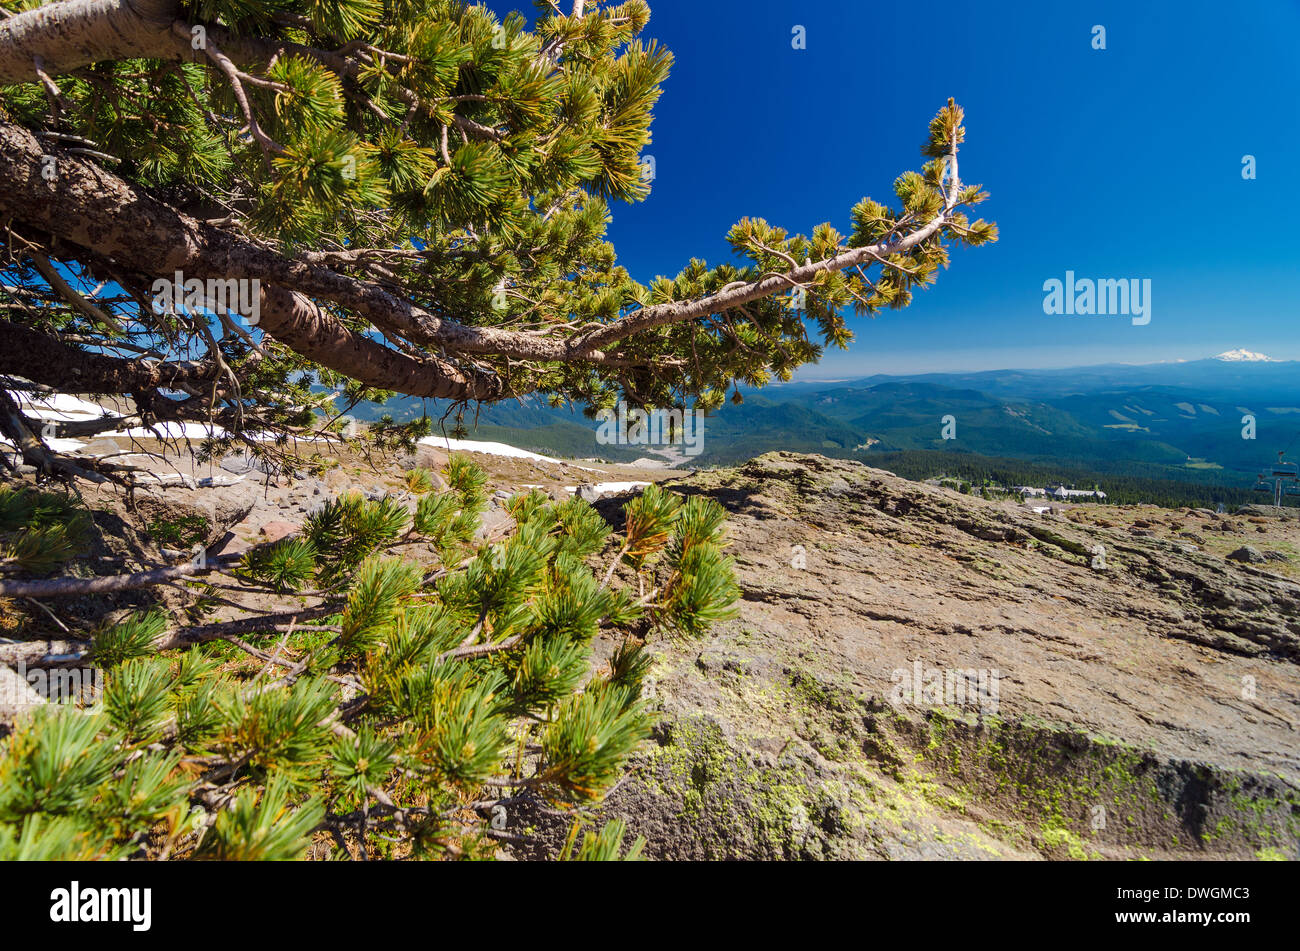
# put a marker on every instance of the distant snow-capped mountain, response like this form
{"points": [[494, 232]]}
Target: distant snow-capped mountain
{"points": [[1244, 356]]}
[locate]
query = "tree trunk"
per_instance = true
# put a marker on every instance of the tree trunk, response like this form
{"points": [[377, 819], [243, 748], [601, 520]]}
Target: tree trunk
{"points": [[66, 36], [43, 359], [96, 210]]}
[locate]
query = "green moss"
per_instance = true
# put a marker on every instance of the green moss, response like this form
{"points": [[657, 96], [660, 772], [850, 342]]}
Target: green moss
{"points": [[1057, 837], [179, 532], [1264, 819], [1054, 778], [857, 771], [767, 809]]}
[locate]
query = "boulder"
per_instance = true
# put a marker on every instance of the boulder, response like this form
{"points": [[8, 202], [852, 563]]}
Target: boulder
{"points": [[16, 696], [1248, 555], [424, 457], [496, 524], [337, 479], [218, 508], [274, 531]]}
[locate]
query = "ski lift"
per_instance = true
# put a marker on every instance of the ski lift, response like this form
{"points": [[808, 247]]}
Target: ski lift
{"points": [[1281, 478]]}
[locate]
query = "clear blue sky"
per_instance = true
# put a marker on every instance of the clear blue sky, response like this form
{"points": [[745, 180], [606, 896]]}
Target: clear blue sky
{"points": [[1122, 163]]}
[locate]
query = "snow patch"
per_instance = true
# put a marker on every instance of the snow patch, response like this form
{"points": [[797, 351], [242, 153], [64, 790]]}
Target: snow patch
{"points": [[493, 449], [610, 488], [57, 407]]}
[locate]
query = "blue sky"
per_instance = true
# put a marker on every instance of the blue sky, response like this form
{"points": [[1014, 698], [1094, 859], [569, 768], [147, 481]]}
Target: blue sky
{"points": [[1116, 163]]}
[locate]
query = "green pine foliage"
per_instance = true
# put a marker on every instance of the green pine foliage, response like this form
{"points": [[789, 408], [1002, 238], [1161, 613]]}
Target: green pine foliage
{"points": [[396, 727], [350, 528], [605, 845], [467, 162], [432, 182], [419, 481], [131, 637], [40, 531]]}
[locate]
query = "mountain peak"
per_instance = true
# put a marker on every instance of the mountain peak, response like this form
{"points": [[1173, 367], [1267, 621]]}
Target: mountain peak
{"points": [[1243, 356]]}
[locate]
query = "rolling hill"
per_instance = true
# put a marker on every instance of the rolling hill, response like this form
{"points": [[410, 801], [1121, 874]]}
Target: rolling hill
{"points": [[1169, 421]]}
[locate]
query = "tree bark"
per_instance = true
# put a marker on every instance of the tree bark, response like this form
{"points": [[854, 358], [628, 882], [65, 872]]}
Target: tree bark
{"points": [[96, 210], [302, 326], [76, 33], [76, 587], [41, 358], [15, 427]]}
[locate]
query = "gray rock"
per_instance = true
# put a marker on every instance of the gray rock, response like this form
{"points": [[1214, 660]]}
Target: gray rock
{"points": [[236, 464], [232, 506], [337, 479], [495, 522], [17, 698], [424, 457], [837, 486], [1247, 554], [220, 508]]}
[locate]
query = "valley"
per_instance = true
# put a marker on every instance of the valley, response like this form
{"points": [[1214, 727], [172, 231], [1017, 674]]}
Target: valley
{"points": [[1194, 433]]}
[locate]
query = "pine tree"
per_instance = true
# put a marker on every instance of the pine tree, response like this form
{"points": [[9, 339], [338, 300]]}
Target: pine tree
{"points": [[248, 213], [420, 190], [415, 705]]}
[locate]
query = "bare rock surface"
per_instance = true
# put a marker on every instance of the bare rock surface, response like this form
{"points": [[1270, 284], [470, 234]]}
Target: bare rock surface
{"points": [[1147, 702]]}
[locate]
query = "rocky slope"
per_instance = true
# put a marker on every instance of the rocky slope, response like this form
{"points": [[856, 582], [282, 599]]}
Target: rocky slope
{"points": [[1104, 681], [1147, 692]]}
